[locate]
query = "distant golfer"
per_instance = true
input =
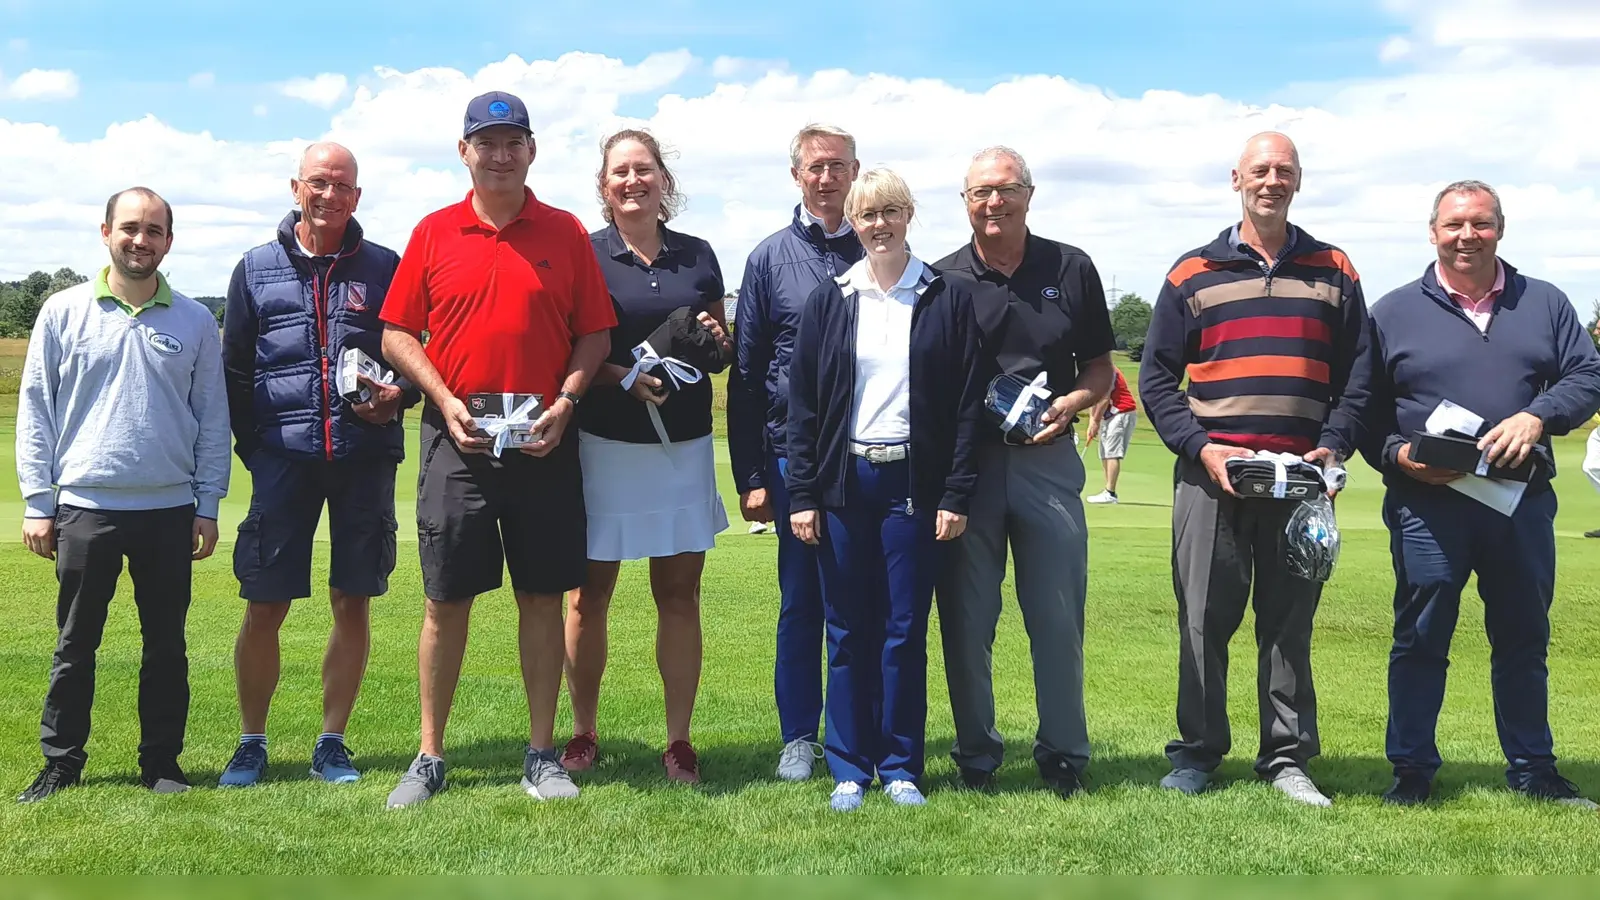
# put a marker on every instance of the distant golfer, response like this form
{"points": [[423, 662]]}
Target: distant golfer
{"points": [[122, 451], [1112, 421]]}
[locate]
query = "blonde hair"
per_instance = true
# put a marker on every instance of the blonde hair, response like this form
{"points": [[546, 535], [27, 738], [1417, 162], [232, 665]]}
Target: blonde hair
{"points": [[877, 188]]}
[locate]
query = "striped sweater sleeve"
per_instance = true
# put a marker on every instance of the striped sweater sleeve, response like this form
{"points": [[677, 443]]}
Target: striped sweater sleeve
{"points": [[1161, 371]]}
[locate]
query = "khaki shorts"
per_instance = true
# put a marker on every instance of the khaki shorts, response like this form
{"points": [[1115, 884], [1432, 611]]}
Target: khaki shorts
{"points": [[1116, 432]]}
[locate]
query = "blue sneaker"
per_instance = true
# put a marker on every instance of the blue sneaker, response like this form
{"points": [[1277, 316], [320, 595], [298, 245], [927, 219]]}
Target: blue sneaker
{"points": [[904, 793], [247, 765], [330, 761], [846, 797]]}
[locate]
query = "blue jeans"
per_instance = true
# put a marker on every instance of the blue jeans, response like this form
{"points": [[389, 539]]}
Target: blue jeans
{"points": [[877, 588], [1437, 538], [797, 676]]}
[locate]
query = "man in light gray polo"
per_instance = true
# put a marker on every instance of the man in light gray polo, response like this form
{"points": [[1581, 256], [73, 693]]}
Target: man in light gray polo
{"points": [[122, 451]]}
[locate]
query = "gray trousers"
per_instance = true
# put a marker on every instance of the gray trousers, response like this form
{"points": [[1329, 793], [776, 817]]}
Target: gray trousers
{"points": [[1029, 496], [1219, 543]]}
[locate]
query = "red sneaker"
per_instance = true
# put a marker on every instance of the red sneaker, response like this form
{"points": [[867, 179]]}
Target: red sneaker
{"points": [[580, 752], [681, 763]]}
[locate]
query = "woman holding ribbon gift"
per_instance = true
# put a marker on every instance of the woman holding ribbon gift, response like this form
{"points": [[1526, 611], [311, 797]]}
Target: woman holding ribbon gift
{"points": [[885, 407], [645, 441]]}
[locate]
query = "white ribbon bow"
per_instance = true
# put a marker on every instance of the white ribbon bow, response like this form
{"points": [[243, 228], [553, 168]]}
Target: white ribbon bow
{"points": [[645, 359], [1333, 477], [501, 429], [1035, 389]]}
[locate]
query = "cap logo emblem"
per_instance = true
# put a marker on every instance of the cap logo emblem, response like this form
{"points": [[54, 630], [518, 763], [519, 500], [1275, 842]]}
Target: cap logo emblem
{"points": [[499, 109]]}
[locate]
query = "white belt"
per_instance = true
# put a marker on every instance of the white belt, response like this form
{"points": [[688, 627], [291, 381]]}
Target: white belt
{"points": [[880, 453]]}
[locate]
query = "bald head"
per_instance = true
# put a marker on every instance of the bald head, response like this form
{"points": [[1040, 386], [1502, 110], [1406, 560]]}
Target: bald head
{"points": [[1271, 143], [1267, 177], [327, 153]]}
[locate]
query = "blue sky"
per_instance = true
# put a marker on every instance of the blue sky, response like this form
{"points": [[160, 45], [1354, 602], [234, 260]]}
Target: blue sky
{"points": [[131, 60]]}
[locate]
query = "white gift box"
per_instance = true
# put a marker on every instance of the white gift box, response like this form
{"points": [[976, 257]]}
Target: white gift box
{"points": [[352, 363]]}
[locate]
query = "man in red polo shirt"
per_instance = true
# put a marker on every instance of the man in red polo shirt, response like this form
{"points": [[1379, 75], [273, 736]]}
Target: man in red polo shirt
{"points": [[513, 302], [1111, 420]]}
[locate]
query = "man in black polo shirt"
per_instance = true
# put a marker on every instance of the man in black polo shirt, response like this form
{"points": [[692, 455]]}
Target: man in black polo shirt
{"points": [[1045, 314]]}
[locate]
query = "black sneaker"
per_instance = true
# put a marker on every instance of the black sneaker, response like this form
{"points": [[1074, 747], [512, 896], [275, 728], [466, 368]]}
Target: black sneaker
{"points": [[1409, 789], [978, 780], [1547, 784], [53, 777], [163, 777], [1060, 776]]}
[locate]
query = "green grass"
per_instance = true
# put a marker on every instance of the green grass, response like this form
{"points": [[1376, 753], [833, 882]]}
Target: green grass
{"points": [[630, 820]]}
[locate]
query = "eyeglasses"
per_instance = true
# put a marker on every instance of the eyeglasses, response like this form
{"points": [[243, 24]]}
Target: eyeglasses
{"points": [[985, 191], [835, 168], [319, 186], [893, 215]]}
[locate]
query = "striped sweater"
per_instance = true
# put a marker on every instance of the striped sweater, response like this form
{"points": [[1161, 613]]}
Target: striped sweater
{"points": [[1277, 357]]}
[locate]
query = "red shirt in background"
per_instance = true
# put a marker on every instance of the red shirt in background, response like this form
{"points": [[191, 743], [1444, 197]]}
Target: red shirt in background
{"points": [[1121, 397], [501, 308]]}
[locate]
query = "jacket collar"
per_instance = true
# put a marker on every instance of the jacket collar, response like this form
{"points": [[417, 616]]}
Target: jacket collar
{"points": [[917, 277], [1224, 250], [353, 236], [1435, 290], [813, 234]]}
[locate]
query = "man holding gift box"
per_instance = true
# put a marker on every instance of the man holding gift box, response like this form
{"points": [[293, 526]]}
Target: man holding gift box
{"points": [[1043, 315], [514, 302], [1270, 327], [298, 305], [1509, 349]]}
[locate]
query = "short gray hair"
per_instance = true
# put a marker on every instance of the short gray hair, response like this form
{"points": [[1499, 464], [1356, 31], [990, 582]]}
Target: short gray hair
{"points": [[813, 131], [999, 151], [1469, 186]]}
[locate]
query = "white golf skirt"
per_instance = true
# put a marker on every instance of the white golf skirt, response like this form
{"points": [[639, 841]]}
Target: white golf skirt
{"points": [[649, 500]]}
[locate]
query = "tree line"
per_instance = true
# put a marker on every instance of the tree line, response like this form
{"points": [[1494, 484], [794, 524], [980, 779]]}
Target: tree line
{"points": [[20, 300]]}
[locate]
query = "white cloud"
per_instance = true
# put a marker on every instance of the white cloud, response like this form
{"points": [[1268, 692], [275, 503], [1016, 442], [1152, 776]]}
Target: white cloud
{"points": [[1394, 48], [1135, 181], [324, 90], [735, 68], [202, 80], [41, 84]]}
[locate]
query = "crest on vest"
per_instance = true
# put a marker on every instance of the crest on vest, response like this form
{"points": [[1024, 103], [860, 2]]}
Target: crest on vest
{"points": [[355, 295]]}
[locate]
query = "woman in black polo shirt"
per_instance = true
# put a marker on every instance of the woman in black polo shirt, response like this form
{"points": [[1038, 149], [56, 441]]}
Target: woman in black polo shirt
{"points": [[885, 406], [648, 461]]}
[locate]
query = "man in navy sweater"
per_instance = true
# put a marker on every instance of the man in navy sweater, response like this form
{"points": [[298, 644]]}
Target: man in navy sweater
{"points": [[1508, 348], [817, 245]]}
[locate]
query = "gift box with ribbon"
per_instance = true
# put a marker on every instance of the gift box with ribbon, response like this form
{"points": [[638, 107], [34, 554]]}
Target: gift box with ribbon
{"points": [[1018, 405], [681, 351], [354, 363], [1281, 476], [508, 418]]}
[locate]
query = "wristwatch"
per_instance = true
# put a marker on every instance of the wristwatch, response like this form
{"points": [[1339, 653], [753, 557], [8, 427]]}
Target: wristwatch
{"points": [[573, 398]]}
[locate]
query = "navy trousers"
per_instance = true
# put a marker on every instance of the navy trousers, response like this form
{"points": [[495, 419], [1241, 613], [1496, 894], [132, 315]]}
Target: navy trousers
{"points": [[797, 676], [1437, 537], [877, 588]]}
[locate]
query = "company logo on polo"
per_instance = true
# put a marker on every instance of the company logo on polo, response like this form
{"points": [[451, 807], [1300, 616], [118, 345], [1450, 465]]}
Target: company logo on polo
{"points": [[166, 343], [1050, 293]]}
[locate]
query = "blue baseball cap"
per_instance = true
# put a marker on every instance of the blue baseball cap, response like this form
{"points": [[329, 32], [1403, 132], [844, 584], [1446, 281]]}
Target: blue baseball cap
{"points": [[495, 108]]}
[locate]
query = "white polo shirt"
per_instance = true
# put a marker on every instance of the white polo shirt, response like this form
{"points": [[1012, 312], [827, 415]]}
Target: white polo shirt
{"points": [[881, 413]]}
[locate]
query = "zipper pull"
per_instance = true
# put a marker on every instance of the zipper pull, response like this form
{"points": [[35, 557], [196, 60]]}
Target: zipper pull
{"points": [[910, 509]]}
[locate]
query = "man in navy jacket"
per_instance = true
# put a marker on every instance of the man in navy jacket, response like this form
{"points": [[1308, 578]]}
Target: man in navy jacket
{"points": [[779, 275], [1509, 349], [295, 304]]}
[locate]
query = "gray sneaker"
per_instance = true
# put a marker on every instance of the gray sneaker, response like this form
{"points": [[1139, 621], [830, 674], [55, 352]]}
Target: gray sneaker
{"points": [[424, 779], [1293, 782], [1186, 780], [544, 778]]}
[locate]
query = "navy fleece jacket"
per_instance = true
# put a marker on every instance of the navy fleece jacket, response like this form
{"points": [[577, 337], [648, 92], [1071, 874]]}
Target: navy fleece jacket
{"points": [[1534, 357]]}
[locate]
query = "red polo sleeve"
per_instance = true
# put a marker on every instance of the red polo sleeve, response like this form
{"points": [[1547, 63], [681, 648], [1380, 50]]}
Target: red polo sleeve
{"points": [[591, 300], [406, 305]]}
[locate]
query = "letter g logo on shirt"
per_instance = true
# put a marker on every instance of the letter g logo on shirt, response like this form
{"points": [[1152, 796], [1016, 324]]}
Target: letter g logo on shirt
{"points": [[166, 343]]}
